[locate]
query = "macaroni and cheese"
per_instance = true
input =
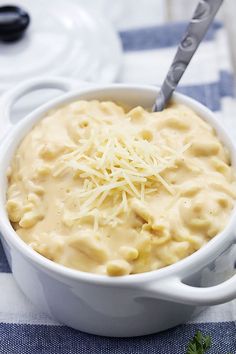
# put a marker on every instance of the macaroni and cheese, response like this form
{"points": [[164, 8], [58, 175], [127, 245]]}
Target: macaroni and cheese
{"points": [[101, 190]]}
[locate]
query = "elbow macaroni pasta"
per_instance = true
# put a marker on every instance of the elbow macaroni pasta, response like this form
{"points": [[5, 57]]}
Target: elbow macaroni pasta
{"points": [[101, 190]]}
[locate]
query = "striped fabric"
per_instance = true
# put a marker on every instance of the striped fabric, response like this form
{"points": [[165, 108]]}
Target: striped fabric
{"points": [[147, 55]]}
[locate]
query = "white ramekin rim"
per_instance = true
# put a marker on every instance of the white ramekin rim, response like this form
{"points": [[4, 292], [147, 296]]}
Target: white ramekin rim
{"points": [[184, 267]]}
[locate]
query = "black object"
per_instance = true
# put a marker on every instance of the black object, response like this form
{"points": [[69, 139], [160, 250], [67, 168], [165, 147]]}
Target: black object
{"points": [[13, 23]]}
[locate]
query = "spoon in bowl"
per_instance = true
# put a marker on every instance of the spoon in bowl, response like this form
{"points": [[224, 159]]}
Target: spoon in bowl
{"points": [[197, 28]]}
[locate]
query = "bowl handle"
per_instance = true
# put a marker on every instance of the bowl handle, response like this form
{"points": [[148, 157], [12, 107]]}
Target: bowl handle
{"points": [[11, 96], [173, 289]]}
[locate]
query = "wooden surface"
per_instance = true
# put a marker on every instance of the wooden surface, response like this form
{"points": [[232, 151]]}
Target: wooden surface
{"points": [[183, 9]]}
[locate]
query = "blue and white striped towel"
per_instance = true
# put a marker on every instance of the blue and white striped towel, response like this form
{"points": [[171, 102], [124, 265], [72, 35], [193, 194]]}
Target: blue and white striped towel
{"points": [[147, 55]]}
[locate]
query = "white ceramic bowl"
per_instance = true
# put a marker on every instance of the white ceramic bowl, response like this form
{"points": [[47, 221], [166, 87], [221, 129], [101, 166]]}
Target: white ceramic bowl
{"points": [[132, 305]]}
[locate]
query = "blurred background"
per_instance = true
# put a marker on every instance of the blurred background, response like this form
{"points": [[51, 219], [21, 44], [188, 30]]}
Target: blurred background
{"points": [[130, 13], [103, 41]]}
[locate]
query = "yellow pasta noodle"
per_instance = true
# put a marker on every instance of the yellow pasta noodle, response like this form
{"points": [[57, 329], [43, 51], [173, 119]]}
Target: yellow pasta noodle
{"points": [[106, 190]]}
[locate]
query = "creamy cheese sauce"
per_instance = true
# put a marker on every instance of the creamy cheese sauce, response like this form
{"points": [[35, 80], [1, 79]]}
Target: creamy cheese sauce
{"points": [[98, 189]]}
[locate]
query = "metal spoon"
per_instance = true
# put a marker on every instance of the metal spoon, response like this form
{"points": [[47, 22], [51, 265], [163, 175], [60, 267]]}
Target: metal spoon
{"points": [[197, 28]]}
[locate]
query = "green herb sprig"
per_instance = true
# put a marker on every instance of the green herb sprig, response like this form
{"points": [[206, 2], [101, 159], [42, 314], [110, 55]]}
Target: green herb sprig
{"points": [[200, 344]]}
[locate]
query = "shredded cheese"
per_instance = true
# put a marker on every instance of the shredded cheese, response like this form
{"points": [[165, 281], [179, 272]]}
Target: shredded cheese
{"points": [[117, 165]]}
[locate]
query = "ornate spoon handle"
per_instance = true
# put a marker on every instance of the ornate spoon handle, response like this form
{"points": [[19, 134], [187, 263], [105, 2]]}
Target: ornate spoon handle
{"points": [[198, 26]]}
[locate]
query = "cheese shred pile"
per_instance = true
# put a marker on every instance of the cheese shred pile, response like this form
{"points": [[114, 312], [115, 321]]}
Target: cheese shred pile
{"points": [[114, 166]]}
